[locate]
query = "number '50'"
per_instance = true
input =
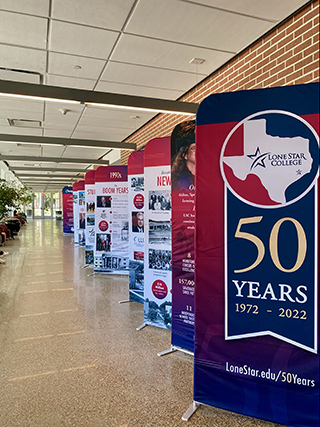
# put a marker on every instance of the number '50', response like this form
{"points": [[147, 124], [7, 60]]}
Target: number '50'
{"points": [[273, 243]]}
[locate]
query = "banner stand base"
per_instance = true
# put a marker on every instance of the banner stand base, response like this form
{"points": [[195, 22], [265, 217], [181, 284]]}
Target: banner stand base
{"points": [[141, 326], [174, 348], [164, 352], [91, 274], [86, 265], [190, 411], [123, 301]]}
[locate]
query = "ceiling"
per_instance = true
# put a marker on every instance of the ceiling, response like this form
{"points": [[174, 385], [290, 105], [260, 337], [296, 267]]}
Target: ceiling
{"points": [[133, 47]]}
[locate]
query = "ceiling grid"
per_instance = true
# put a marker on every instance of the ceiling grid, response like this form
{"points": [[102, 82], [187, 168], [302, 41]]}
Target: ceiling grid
{"points": [[135, 47]]}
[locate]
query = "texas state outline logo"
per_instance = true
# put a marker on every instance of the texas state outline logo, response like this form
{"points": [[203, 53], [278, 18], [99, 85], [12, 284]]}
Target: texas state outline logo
{"points": [[270, 159]]}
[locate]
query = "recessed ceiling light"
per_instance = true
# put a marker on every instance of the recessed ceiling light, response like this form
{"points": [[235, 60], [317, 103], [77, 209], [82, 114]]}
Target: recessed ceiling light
{"points": [[134, 117], [77, 67]]}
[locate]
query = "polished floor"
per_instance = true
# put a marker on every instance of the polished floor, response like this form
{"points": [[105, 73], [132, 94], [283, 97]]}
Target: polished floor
{"points": [[70, 354]]}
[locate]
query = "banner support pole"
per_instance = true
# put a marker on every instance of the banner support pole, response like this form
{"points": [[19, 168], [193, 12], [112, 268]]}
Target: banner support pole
{"points": [[141, 326], [190, 411], [123, 301]]}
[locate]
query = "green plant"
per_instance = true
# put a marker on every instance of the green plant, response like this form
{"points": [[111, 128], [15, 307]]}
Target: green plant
{"points": [[12, 197]]}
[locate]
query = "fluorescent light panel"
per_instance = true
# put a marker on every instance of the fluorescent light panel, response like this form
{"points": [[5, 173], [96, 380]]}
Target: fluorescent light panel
{"points": [[39, 98], [146, 110]]}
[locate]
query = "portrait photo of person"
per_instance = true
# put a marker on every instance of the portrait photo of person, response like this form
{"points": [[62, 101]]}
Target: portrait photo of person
{"points": [[138, 222], [184, 158], [104, 201]]}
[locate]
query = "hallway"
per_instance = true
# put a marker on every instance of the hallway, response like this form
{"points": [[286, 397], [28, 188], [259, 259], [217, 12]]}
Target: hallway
{"points": [[70, 354]]}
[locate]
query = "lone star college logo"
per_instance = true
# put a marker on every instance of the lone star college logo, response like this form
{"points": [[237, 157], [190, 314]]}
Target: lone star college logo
{"points": [[270, 159]]}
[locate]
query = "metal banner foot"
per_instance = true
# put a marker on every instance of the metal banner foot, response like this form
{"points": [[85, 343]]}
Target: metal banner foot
{"points": [[164, 352], [123, 301], [85, 266], [190, 411], [91, 274], [141, 327]]}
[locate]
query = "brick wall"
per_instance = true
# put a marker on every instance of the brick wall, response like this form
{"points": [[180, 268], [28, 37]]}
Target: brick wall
{"points": [[287, 55]]}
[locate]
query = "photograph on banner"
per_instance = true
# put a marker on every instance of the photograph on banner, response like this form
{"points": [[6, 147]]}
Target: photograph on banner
{"points": [[183, 160], [111, 250], [157, 223], [90, 200], [256, 335], [137, 227]]}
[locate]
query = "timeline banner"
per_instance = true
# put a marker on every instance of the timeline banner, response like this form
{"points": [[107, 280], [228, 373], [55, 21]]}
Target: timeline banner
{"points": [[90, 201], [257, 243], [75, 212], [157, 273], [82, 212], [67, 209], [111, 249], [183, 230], [136, 226]]}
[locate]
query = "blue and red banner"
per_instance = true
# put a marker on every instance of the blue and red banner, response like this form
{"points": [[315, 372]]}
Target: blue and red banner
{"points": [[90, 201], [183, 230], [67, 209], [257, 243], [111, 249], [82, 212], [75, 198], [157, 271], [136, 226]]}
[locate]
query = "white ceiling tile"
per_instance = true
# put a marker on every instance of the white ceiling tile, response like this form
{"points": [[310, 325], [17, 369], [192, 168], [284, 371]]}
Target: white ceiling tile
{"points": [[20, 105], [117, 72], [54, 108], [17, 149], [194, 24], [173, 56], [81, 40], [20, 131], [97, 123], [23, 30], [75, 83], [114, 114], [32, 7], [129, 89], [100, 13], [57, 133], [85, 153], [115, 135], [23, 114], [63, 65], [61, 122], [19, 58], [272, 9]]}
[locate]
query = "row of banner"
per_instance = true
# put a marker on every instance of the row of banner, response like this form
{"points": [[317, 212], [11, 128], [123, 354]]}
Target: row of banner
{"points": [[250, 242]]}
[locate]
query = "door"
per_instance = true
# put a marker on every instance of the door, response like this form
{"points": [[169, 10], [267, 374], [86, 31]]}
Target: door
{"points": [[43, 205]]}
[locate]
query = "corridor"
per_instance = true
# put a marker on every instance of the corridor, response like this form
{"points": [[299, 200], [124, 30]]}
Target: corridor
{"points": [[70, 354]]}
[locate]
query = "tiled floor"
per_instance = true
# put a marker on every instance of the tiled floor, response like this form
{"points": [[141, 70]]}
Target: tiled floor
{"points": [[70, 354]]}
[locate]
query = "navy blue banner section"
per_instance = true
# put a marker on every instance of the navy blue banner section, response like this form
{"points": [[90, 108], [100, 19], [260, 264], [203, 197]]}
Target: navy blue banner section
{"points": [[267, 304], [257, 254], [234, 106]]}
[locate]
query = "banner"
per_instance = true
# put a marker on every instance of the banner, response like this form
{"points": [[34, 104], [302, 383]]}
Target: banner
{"points": [[111, 254], [183, 230], [75, 213], [90, 200], [136, 226], [157, 272], [67, 209], [256, 338], [82, 213]]}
